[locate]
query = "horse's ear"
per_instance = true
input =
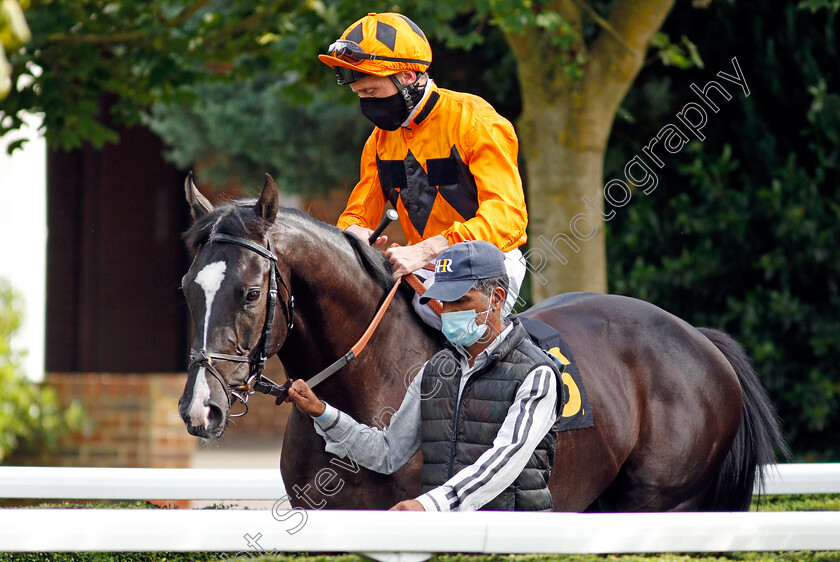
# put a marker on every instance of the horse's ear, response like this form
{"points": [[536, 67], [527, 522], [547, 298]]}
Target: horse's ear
{"points": [[269, 201], [199, 205]]}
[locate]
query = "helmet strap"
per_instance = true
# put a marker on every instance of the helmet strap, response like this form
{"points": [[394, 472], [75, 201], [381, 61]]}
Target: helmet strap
{"points": [[407, 91]]}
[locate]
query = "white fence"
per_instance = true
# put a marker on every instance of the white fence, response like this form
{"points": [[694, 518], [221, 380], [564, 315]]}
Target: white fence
{"points": [[382, 535], [812, 478], [141, 483], [266, 484], [408, 533]]}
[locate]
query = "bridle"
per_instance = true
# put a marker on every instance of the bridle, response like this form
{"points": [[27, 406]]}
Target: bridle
{"points": [[256, 359]]}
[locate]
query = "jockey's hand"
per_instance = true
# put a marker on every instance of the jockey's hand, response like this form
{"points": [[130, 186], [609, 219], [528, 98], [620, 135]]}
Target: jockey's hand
{"points": [[302, 396], [408, 505], [364, 234], [405, 259]]}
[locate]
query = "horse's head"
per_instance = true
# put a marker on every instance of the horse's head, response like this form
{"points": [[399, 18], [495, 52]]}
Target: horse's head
{"points": [[232, 288]]}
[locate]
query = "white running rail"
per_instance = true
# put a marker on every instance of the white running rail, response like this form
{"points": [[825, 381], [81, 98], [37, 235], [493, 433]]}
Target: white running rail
{"points": [[140, 483], [804, 478], [386, 536], [411, 535], [266, 484]]}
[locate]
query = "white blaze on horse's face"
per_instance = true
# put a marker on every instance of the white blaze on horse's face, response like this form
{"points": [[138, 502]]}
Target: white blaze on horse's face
{"points": [[199, 411], [209, 279]]}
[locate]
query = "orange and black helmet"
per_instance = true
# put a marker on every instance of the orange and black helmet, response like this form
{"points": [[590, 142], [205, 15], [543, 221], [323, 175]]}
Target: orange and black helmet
{"points": [[378, 45]]}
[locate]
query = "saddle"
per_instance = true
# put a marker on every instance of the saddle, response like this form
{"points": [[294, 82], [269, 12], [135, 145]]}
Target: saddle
{"points": [[576, 412]]}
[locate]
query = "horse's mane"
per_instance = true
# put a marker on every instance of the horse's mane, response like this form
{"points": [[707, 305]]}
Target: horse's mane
{"points": [[237, 219]]}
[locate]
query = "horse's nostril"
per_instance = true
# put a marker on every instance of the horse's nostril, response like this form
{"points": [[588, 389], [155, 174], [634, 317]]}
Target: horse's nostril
{"points": [[216, 417]]}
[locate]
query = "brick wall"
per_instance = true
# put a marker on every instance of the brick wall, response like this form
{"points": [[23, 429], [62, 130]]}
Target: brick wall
{"points": [[130, 420]]}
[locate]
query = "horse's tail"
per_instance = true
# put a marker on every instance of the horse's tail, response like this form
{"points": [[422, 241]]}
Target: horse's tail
{"points": [[759, 433]]}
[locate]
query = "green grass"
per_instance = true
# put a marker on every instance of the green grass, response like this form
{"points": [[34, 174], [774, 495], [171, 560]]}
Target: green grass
{"points": [[813, 502], [799, 502]]}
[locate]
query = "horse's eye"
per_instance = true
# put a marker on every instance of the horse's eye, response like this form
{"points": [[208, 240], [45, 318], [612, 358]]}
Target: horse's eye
{"points": [[253, 295]]}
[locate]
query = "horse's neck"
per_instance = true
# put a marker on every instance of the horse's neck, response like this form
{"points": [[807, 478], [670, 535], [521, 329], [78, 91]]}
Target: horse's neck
{"points": [[335, 301]]}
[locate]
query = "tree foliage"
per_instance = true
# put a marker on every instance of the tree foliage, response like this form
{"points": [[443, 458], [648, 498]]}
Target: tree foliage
{"points": [[13, 33], [92, 63], [741, 233], [28, 414], [301, 124], [235, 131]]}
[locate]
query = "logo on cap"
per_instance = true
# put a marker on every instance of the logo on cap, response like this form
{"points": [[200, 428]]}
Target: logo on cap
{"points": [[443, 266]]}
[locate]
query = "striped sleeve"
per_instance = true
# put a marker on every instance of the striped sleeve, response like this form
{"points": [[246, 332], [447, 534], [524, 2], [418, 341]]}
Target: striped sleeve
{"points": [[529, 418], [381, 449]]}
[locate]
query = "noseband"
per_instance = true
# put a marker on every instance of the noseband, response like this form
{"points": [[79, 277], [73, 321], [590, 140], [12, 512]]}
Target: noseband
{"points": [[256, 359], [256, 381]]}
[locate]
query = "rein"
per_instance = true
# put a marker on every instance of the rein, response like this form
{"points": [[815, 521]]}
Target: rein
{"points": [[415, 283], [359, 345], [267, 386], [256, 381]]}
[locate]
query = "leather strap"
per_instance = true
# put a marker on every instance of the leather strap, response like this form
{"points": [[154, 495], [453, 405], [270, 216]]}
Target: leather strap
{"points": [[359, 345], [415, 283], [363, 341]]}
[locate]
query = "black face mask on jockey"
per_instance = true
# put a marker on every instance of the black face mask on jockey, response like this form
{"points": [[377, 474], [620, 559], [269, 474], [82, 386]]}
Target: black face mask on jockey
{"points": [[390, 112]]}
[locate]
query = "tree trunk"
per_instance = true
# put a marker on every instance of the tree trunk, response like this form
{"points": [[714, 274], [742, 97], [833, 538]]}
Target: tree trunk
{"points": [[564, 128], [567, 249]]}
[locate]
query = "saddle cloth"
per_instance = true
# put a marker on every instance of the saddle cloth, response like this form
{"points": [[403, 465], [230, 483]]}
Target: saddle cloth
{"points": [[576, 412]]}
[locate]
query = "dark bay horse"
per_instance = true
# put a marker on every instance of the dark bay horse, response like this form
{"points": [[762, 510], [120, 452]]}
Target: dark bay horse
{"points": [[681, 420]]}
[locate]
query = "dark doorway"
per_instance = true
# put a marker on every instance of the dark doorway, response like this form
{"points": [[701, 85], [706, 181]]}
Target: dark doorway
{"points": [[115, 258]]}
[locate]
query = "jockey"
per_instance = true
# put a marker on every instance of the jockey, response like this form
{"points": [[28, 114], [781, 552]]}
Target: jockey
{"points": [[445, 160]]}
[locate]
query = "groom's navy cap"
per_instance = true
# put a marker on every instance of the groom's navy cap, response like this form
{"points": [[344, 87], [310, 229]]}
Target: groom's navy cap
{"points": [[460, 266]]}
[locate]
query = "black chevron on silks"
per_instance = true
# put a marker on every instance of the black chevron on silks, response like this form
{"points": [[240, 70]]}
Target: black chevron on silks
{"points": [[418, 190], [418, 197], [408, 180], [455, 183]]}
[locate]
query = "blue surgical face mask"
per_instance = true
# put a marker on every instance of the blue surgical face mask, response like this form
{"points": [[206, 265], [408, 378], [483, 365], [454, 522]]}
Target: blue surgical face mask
{"points": [[461, 327]]}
